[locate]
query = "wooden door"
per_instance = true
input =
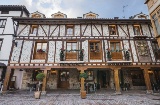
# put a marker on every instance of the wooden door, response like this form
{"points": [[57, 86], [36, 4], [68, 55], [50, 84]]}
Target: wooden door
{"points": [[63, 79]]}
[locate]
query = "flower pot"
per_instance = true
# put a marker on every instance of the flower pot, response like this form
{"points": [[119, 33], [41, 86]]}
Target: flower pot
{"points": [[37, 94], [83, 94]]}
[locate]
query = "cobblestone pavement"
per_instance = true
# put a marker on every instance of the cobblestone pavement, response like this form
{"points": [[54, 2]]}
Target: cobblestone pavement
{"points": [[127, 98]]}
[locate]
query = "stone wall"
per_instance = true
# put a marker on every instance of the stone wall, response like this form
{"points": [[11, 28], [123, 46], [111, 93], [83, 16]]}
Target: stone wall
{"points": [[52, 80], [73, 79], [27, 77]]}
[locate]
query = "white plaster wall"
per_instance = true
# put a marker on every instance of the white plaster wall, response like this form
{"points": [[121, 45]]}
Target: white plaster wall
{"points": [[134, 51], [87, 31], [85, 47], [40, 31], [12, 13], [130, 27], [26, 51], [62, 30], [9, 26], [126, 47], [106, 47], [19, 76], [95, 31], [25, 32], [58, 47], [16, 51], [105, 30], [6, 47], [1, 30], [77, 30], [121, 32], [55, 33], [146, 31], [46, 28], [151, 51], [51, 51]]}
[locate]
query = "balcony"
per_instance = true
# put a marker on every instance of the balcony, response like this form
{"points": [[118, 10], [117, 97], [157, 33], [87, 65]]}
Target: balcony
{"points": [[71, 56]]}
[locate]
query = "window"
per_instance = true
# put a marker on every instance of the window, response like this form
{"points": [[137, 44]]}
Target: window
{"points": [[4, 12], [71, 53], [157, 24], [36, 16], [112, 30], [40, 50], [1, 41], [70, 30], [34, 29], [155, 49], [95, 50], [142, 48], [90, 16], [115, 50], [2, 23], [137, 30]]}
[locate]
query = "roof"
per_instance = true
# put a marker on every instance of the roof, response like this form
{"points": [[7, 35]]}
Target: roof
{"points": [[14, 8], [146, 1], [2, 64], [132, 17], [25, 20]]}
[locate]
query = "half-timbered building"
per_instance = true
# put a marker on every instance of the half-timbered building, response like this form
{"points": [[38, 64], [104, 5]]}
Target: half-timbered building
{"points": [[115, 53], [7, 33]]}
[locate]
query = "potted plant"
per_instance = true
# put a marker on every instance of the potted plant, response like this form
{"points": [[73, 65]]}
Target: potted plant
{"points": [[81, 55], [83, 76], [40, 78], [62, 54], [109, 54]]}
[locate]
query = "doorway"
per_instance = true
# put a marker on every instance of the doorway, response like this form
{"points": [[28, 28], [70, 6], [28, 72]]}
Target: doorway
{"points": [[63, 79], [103, 78]]}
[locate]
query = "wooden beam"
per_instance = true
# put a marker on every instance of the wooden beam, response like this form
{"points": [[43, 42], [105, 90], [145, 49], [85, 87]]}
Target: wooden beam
{"points": [[116, 79]]}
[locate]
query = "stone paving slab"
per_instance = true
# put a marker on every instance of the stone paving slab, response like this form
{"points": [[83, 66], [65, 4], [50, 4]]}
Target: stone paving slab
{"points": [[74, 99]]}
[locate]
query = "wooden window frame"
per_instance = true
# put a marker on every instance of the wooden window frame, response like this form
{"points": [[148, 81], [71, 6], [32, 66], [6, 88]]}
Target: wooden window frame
{"points": [[1, 43], [71, 55], [139, 29], [36, 53], [67, 27], [33, 27], [3, 23], [5, 12], [110, 27], [94, 53], [118, 54]]}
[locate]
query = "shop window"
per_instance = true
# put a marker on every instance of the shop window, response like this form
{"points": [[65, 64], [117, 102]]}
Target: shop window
{"points": [[137, 30], [95, 50], [69, 30], [40, 50], [155, 49], [115, 48], [112, 30], [71, 53]]}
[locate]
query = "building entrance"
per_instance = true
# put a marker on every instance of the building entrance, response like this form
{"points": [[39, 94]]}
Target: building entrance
{"points": [[63, 79]]}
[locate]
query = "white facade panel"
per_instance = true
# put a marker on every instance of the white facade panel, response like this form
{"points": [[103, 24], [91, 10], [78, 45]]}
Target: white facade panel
{"points": [[51, 51], [58, 47]]}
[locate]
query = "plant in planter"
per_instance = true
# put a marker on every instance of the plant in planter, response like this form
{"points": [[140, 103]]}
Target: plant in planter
{"points": [[81, 55], [83, 76], [109, 54], [62, 54], [127, 55], [40, 78]]}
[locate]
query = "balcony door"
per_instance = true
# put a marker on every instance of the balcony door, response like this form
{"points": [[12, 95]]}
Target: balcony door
{"points": [[71, 53], [116, 53]]}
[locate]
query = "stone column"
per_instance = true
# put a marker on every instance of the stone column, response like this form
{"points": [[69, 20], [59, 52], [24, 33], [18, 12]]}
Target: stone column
{"points": [[147, 81], [44, 82], [116, 79], [6, 80]]}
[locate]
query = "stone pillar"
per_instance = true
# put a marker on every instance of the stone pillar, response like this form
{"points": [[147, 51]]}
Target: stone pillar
{"points": [[44, 82], [116, 79], [6, 80], [111, 79], [147, 81]]}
